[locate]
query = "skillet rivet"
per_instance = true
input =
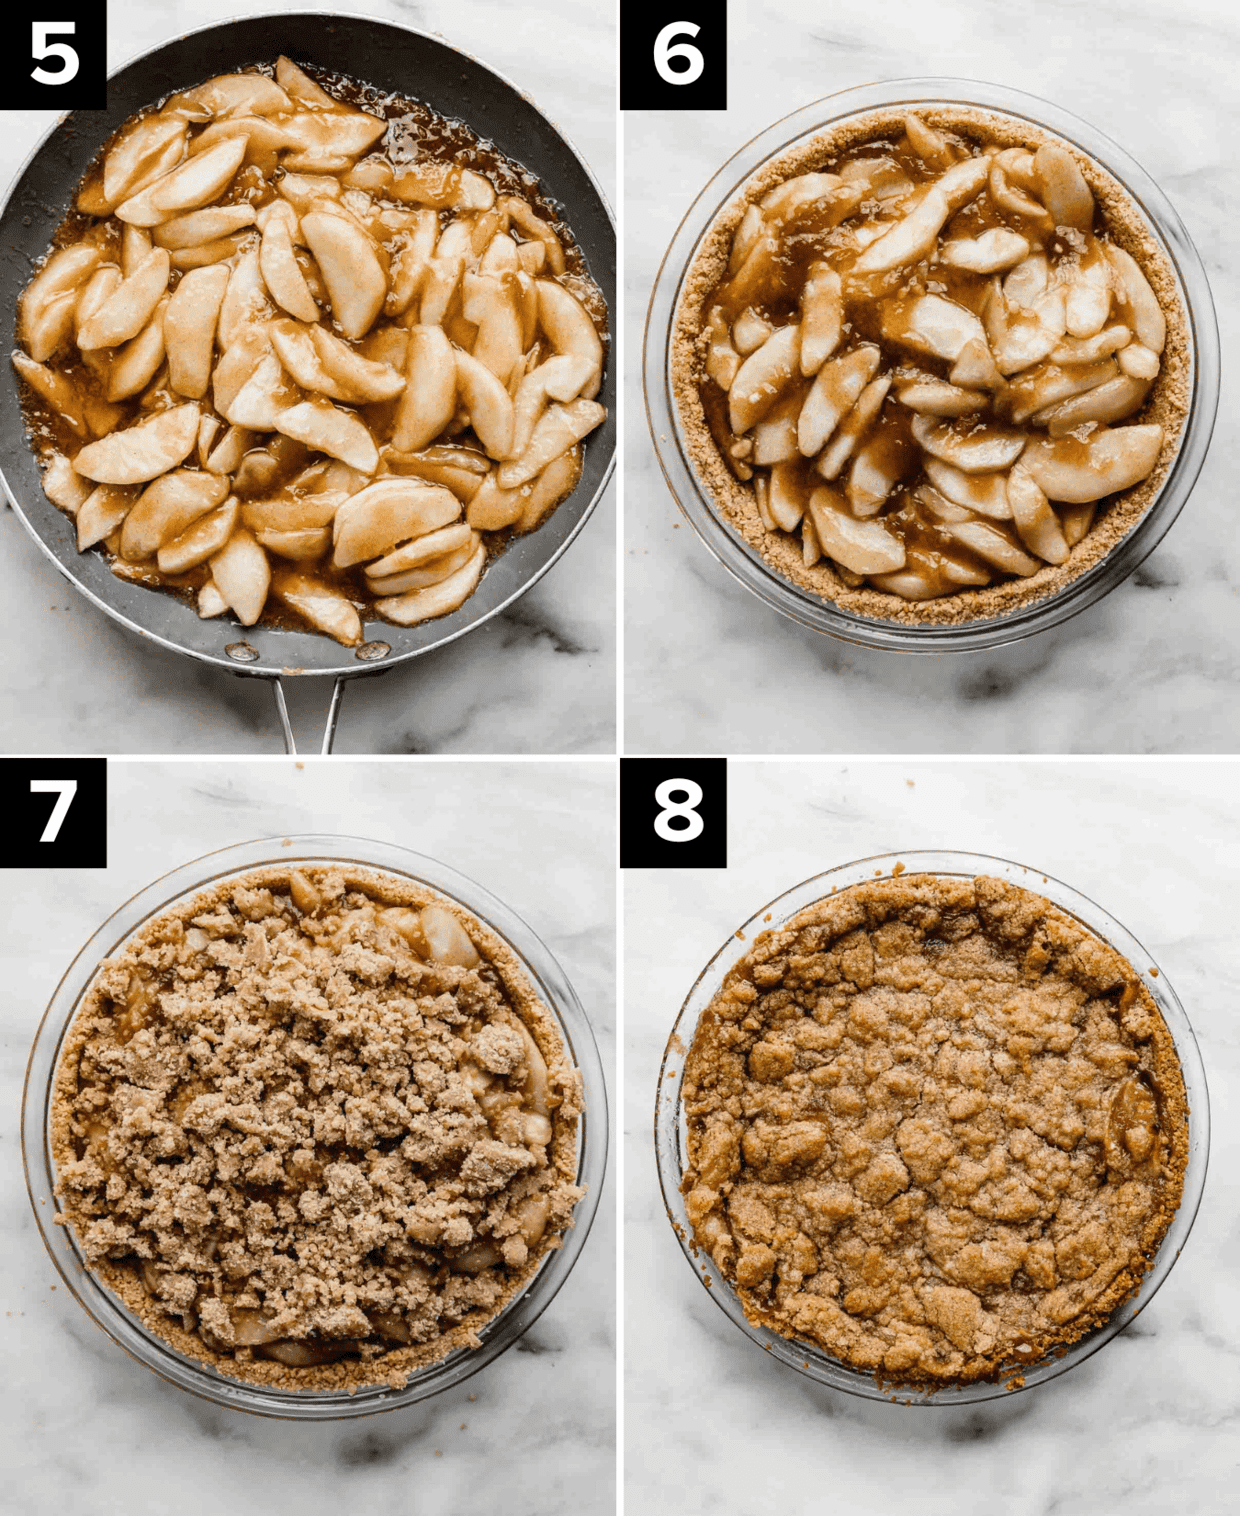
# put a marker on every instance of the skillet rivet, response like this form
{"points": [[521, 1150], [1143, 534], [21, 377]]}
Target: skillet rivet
{"points": [[242, 652], [371, 652]]}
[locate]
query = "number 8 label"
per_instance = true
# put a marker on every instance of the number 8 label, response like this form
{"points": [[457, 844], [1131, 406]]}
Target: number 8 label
{"points": [[687, 809]]}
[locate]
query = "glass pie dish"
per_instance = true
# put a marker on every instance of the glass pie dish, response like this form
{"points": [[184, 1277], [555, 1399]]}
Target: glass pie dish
{"points": [[122, 1325], [671, 1133], [677, 437]]}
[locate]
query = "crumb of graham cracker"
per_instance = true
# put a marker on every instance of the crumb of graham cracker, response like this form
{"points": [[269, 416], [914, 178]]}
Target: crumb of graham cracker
{"points": [[1167, 404], [315, 1128], [935, 1128]]}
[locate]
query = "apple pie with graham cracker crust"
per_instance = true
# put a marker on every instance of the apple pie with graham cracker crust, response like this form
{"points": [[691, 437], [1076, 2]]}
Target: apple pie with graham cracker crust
{"points": [[932, 365], [315, 1127], [936, 1128]]}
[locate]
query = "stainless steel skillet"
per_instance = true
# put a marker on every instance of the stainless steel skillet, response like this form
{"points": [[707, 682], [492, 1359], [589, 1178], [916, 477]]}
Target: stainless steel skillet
{"points": [[390, 57]]}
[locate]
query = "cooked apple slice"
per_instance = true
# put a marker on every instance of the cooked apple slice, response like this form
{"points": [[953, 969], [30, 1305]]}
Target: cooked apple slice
{"points": [[135, 245], [241, 573], [990, 252], [429, 401], [877, 467], [763, 378], [1021, 338], [935, 397], [865, 547], [489, 302], [1138, 361], [975, 367], [226, 455], [189, 328], [1111, 459], [434, 544], [493, 508], [210, 601], [835, 391], [488, 403], [44, 318], [1046, 385], [245, 299], [102, 512], [983, 449], [433, 571], [297, 83], [130, 307], [260, 401], [99, 288], [207, 225], [134, 365], [775, 437], [1064, 192], [854, 427], [322, 606], [1035, 520], [339, 434], [355, 281], [437, 600], [388, 512], [1119, 397], [145, 153], [200, 541], [555, 483], [144, 451], [282, 274], [54, 388], [166, 508], [914, 235], [300, 357], [722, 359], [992, 546], [207, 253], [822, 317], [562, 427], [237, 94], [500, 256], [985, 493], [930, 324], [305, 513], [300, 546], [360, 379], [1142, 308], [195, 182], [64, 486], [568, 325], [526, 218]]}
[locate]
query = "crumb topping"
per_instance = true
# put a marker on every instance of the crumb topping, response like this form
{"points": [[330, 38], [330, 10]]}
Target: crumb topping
{"points": [[315, 1127]]}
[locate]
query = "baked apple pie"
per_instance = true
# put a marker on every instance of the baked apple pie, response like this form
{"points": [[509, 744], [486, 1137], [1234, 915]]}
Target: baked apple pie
{"points": [[936, 1128], [315, 1127], [308, 356], [932, 365]]}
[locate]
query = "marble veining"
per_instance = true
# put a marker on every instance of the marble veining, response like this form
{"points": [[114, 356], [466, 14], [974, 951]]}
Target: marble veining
{"points": [[1145, 1426], [1152, 667], [88, 1431], [538, 679]]}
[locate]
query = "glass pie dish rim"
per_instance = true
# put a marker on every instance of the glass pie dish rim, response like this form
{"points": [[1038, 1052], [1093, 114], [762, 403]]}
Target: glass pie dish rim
{"points": [[105, 1309], [745, 563], [670, 1126]]}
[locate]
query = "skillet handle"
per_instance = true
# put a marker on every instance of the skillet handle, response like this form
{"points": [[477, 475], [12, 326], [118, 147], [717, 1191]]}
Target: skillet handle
{"points": [[286, 728]]}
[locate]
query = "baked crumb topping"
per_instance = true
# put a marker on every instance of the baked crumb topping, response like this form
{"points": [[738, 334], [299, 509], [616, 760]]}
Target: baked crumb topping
{"points": [[315, 1127], [936, 1128]]}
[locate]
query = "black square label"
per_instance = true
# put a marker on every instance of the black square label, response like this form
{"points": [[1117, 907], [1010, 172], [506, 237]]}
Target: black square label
{"points": [[673, 813], [57, 56], [674, 57], [58, 813]]}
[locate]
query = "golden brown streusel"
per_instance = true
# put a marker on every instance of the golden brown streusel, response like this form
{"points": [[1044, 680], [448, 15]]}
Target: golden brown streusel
{"points": [[936, 1128], [315, 1127]]}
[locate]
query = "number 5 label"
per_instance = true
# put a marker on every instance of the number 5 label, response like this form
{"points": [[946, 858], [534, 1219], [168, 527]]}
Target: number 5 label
{"points": [[675, 61], [56, 56], [673, 813]]}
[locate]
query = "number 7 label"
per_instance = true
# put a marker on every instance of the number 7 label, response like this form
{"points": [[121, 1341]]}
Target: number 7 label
{"points": [[59, 813], [64, 790]]}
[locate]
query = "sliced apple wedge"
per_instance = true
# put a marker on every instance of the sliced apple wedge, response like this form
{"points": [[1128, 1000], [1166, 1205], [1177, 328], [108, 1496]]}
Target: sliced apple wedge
{"points": [[385, 513], [144, 451], [437, 600], [241, 573], [323, 606]]}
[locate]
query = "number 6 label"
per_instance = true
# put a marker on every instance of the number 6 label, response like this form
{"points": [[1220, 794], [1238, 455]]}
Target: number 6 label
{"points": [[679, 64], [673, 813]]}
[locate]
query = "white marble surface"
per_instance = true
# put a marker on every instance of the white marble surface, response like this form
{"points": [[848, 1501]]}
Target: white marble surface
{"points": [[539, 679], [1150, 669], [88, 1432], [1144, 1427]]}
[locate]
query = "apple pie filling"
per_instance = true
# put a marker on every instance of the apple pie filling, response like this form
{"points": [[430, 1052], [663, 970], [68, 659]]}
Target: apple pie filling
{"points": [[930, 358], [308, 356], [316, 1128]]}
